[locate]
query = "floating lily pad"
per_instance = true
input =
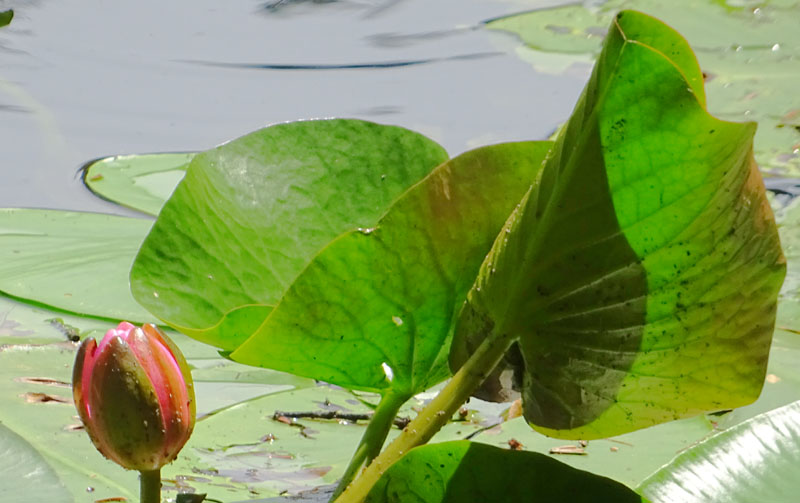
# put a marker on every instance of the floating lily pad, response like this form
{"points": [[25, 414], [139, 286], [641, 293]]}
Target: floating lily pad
{"points": [[142, 182], [77, 262], [750, 52], [251, 214], [753, 461], [25, 475], [243, 446]]}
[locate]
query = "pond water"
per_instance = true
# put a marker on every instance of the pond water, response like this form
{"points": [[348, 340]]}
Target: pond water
{"points": [[86, 79]]}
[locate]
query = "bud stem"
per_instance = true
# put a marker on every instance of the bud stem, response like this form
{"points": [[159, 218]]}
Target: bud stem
{"points": [[150, 486]]}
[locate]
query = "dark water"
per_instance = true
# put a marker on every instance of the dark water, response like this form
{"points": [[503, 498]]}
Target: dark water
{"points": [[85, 79]]}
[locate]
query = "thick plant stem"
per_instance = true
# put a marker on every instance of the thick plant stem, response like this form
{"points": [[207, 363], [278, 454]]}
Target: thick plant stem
{"points": [[370, 446], [435, 415], [150, 486]]}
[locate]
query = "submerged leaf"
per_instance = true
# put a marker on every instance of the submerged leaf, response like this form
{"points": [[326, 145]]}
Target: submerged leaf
{"points": [[640, 274], [458, 472], [375, 309]]}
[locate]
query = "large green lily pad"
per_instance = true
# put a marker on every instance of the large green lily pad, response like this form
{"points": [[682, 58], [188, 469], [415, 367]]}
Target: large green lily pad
{"points": [[640, 274], [390, 294], [632, 457], [250, 215]]}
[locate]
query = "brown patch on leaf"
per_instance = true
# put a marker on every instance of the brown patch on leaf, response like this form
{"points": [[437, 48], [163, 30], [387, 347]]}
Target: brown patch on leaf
{"points": [[568, 449], [32, 397], [43, 380]]}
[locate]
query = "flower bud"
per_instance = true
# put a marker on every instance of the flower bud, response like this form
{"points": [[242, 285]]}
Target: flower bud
{"points": [[135, 396]]}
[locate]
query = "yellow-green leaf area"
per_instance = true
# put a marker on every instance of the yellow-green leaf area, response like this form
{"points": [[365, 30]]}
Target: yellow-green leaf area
{"points": [[641, 272], [705, 236], [249, 216], [375, 309]]}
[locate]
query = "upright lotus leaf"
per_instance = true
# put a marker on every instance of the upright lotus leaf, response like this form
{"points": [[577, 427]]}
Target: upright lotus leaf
{"points": [[753, 461], [375, 309], [461, 471], [639, 276], [249, 216]]}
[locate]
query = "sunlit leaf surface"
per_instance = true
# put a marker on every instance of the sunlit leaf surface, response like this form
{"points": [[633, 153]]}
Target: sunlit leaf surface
{"points": [[641, 273], [753, 461], [387, 296], [250, 215]]}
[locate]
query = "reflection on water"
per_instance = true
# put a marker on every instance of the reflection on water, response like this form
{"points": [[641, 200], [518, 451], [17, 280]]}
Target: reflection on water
{"points": [[346, 66], [367, 8], [81, 80]]}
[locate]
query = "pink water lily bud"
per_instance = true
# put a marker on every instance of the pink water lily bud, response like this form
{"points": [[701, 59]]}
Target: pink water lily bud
{"points": [[135, 396]]}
